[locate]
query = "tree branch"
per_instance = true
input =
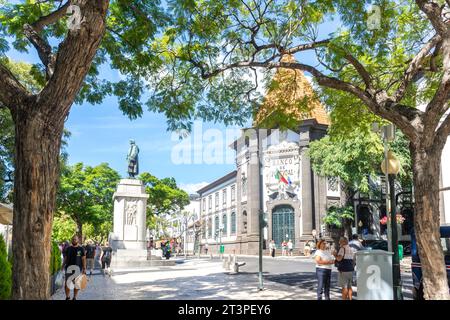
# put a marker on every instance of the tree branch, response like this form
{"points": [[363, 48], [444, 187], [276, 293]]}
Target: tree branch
{"points": [[367, 78], [12, 92], [434, 13], [42, 47], [414, 67], [51, 18], [73, 60], [439, 104], [442, 134]]}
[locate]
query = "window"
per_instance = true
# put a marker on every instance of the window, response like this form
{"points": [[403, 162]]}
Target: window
{"points": [[204, 204], [216, 226], [244, 222], [210, 202], [224, 223], [217, 199], [209, 228], [233, 192], [244, 184], [233, 223], [224, 196], [203, 232]]}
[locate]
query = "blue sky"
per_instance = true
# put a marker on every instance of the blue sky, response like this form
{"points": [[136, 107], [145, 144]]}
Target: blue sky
{"points": [[101, 133]]}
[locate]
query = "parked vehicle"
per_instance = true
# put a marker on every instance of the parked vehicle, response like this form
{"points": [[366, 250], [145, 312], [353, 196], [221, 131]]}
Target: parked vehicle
{"points": [[383, 245], [416, 266], [378, 245]]}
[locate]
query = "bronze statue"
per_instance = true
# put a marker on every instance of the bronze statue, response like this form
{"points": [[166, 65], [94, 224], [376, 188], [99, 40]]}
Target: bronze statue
{"points": [[133, 160]]}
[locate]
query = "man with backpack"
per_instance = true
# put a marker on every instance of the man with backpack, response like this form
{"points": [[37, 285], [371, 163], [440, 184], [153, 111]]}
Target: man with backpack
{"points": [[106, 259]]}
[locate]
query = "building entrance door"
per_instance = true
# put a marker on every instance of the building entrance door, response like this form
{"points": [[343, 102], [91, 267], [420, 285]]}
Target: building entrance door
{"points": [[283, 225]]}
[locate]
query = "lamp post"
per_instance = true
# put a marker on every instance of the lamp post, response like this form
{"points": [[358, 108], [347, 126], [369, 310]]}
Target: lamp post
{"points": [[391, 167]]}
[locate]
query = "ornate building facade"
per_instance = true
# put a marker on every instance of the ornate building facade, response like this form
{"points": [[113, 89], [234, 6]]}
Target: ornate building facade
{"points": [[273, 175]]}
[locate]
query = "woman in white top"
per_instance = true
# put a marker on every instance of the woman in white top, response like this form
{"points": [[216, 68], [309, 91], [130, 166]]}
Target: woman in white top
{"points": [[324, 262]]}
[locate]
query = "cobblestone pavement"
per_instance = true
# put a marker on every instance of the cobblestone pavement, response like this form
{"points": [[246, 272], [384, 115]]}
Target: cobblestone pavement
{"points": [[202, 279]]}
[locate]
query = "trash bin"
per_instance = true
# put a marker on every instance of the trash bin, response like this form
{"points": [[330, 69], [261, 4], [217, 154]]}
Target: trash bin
{"points": [[400, 251], [374, 275]]}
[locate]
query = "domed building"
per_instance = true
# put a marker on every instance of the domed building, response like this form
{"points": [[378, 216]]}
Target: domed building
{"points": [[273, 174]]}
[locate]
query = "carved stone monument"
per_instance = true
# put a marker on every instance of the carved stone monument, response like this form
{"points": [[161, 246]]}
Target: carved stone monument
{"points": [[128, 238], [130, 202]]}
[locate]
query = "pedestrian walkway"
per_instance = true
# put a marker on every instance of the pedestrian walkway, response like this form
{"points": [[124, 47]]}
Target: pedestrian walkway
{"points": [[195, 279], [198, 279]]}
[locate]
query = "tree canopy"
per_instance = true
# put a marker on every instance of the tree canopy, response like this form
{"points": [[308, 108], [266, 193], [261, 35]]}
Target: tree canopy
{"points": [[85, 194], [164, 197]]}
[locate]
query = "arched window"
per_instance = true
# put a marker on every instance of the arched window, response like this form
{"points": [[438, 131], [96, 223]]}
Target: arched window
{"points": [[224, 223], [216, 226], [233, 223]]}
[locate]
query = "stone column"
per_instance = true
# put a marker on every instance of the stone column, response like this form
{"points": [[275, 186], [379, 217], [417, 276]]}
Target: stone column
{"points": [[306, 203], [130, 203], [253, 196]]}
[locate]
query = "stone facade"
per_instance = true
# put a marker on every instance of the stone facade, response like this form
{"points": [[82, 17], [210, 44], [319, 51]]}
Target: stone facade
{"points": [[130, 202], [278, 170]]}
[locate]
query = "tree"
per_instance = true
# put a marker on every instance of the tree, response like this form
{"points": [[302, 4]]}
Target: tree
{"points": [[23, 71], [120, 38], [165, 198], [5, 272], [63, 228], [339, 218], [212, 52], [85, 195]]}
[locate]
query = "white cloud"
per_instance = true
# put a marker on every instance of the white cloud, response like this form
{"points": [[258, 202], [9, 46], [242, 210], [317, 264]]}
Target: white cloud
{"points": [[192, 187]]}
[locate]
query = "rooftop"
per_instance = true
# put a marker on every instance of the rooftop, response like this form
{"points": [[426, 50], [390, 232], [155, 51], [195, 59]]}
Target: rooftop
{"points": [[290, 96]]}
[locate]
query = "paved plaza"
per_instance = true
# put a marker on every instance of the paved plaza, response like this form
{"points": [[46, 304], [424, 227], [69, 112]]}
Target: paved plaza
{"points": [[286, 278]]}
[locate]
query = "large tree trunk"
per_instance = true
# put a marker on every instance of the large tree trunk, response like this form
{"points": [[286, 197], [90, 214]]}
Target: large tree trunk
{"points": [[39, 122], [426, 169], [35, 185]]}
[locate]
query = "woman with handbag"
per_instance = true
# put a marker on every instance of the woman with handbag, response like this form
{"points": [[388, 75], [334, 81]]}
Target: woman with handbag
{"points": [[344, 263], [324, 262]]}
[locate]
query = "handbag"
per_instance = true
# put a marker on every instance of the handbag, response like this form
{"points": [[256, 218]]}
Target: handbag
{"points": [[345, 265], [81, 282]]}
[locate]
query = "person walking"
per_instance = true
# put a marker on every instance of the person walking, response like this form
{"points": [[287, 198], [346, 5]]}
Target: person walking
{"points": [[324, 264], [345, 267], [90, 255], [74, 264], [272, 248], [307, 249], [106, 259], [290, 247], [283, 248], [206, 248], [356, 245], [98, 254]]}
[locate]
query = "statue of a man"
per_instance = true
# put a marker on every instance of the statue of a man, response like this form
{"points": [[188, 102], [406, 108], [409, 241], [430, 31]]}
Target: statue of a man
{"points": [[133, 160]]}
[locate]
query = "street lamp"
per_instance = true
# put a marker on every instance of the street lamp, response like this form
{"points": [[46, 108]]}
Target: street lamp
{"points": [[391, 167]]}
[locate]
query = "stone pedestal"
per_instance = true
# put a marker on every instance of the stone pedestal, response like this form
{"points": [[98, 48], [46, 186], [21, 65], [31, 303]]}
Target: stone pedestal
{"points": [[130, 202]]}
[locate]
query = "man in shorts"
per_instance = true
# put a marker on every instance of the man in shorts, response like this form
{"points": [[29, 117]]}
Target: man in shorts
{"points": [[73, 266], [90, 255]]}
